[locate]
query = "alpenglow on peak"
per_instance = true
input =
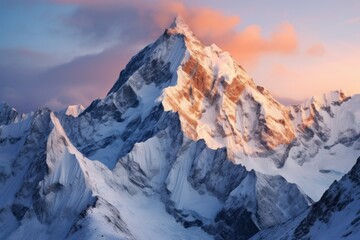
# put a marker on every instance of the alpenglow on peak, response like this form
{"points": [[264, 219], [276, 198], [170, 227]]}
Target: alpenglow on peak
{"points": [[181, 27]]}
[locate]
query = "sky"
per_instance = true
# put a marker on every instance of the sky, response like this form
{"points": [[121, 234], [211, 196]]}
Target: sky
{"points": [[59, 52]]}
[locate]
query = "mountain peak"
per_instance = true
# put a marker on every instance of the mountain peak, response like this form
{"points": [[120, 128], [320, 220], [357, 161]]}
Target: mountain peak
{"points": [[7, 114], [330, 98], [178, 26], [73, 110], [179, 23]]}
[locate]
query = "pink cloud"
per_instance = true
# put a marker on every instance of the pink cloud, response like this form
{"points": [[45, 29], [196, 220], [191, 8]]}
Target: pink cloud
{"points": [[354, 20], [302, 77], [209, 25], [316, 50], [76, 82], [247, 45], [280, 70]]}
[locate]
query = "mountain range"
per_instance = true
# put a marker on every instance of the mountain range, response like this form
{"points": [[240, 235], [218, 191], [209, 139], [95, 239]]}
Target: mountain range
{"points": [[184, 146]]}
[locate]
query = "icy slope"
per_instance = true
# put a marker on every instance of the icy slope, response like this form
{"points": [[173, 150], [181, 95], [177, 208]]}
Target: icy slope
{"points": [[326, 144], [128, 207], [58, 197], [76, 189], [335, 216], [22, 155], [162, 183], [328, 141], [184, 182]]}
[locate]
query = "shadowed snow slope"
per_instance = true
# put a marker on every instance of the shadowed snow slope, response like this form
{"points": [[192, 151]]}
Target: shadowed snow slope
{"points": [[184, 146], [335, 216]]}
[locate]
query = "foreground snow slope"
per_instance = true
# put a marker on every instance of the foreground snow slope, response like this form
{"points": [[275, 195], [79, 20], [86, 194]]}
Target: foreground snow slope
{"points": [[335, 216]]}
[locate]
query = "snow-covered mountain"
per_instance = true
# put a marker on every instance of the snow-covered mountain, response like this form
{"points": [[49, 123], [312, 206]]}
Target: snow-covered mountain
{"points": [[184, 146], [335, 216]]}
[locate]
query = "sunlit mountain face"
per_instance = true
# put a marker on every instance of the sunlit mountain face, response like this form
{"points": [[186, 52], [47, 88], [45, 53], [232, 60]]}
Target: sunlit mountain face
{"points": [[185, 145]]}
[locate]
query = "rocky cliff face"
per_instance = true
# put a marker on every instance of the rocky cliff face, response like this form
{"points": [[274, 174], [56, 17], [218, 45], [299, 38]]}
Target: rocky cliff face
{"points": [[184, 146], [217, 101], [7, 114]]}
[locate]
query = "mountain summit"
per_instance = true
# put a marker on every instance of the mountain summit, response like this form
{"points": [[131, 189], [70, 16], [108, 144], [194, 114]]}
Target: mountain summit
{"points": [[179, 26], [217, 101], [184, 146]]}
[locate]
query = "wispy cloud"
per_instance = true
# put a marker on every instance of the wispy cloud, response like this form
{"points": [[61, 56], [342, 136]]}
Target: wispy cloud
{"points": [[304, 76], [78, 81], [354, 20], [130, 22], [315, 50]]}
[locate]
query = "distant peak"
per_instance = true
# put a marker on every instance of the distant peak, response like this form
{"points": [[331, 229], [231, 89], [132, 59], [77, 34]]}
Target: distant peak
{"points": [[332, 97], [5, 105], [74, 110], [7, 114]]}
